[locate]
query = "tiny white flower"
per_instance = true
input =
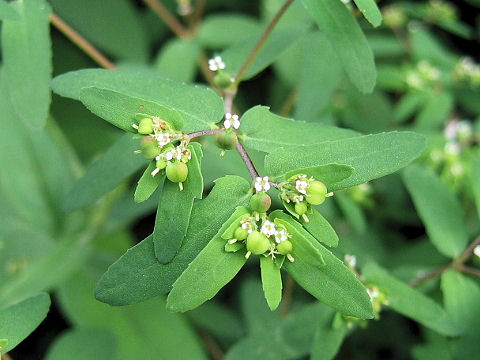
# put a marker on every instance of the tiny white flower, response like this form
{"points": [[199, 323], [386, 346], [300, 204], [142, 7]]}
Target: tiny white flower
{"points": [[216, 63], [373, 293], [231, 120], [174, 154], [301, 186], [452, 148], [476, 250], [268, 228], [297, 198], [262, 184], [163, 138], [247, 225], [281, 236], [351, 260], [457, 169]]}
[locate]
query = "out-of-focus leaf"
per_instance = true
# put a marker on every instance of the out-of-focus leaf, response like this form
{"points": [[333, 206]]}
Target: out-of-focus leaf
{"points": [[7, 12], [435, 112], [348, 40], [27, 64], [439, 209], [178, 59], [327, 340], [475, 175]]}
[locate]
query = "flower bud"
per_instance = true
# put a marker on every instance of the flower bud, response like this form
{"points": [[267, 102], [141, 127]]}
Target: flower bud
{"points": [[161, 164], [222, 80], [285, 247], [177, 172], [257, 243], [316, 192], [145, 126], [260, 202], [301, 208], [240, 234], [226, 140], [149, 147]]}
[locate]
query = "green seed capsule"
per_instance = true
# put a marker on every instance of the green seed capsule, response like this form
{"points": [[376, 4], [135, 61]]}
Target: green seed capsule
{"points": [[226, 140], [145, 126], [222, 80], [240, 234], [177, 172], [316, 193], [260, 202], [161, 164], [149, 147], [285, 247], [257, 243], [301, 208]]}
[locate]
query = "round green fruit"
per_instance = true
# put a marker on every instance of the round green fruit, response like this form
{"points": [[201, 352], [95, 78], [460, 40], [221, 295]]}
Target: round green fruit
{"points": [[257, 243], [260, 202], [177, 172], [226, 140], [316, 192], [149, 147], [240, 234], [301, 208], [145, 126], [222, 80], [285, 247]]}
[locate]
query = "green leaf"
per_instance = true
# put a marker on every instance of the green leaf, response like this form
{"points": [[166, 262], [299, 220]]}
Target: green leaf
{"points": [[475, 175], [211, 32], [333, 283], [265, 131], [83, 343], [178, 59], [370, 10], [20, 319], [211, 270], [352, 211], [7, 12], [175, 207], [271, 282], [147, 184], [328, 174], [199, 106], [234, 247], [279, 40], [372, 156], [119, 29], [348, 40], [118, 163], [303, 248], [320, 228], [119, 109], [327, 340], [138, 275], [410, 302], [436, 111], [27, 64], [439, 210]]}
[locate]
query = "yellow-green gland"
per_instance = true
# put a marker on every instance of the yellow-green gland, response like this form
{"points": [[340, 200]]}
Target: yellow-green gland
{"points": [[257, 243], [149, 147], [285, 247], [145, 126], [177, 172], [240, 234], [222, 80], [301, 208], [161, 164], [260, 202], [226, 140], [316, 192]]}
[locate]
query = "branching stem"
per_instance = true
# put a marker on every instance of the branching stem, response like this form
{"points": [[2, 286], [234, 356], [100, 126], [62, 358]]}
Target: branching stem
{"points": [[167, 17], [81, 42], [246, 159], [205, 132]]}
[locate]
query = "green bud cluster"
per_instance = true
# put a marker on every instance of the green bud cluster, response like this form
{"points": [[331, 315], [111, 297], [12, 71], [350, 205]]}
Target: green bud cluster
{"points": [[226, 140]]}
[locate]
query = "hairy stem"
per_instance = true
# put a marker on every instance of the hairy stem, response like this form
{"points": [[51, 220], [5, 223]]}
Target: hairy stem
{"points": [[468, 270], [81, 42], [198, 13], [205, 132], [246, 159], [212, 347], [468, 252], [287, 295], [261, 42], [167, 17], [430, 275]]}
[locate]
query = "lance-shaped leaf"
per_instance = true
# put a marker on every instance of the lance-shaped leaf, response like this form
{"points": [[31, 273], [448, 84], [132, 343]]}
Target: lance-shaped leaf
{"points": [[348, 40], [7, 11], [370, 10], [328, 174], [372, 156], [200, 107], [439, 209], [410, 302], [475, 175], [319, 227], [211, 270], [120, 109], [265, 131], [147, 184], [327, 339], [278, 41], [178, 58], [118, 163], [26, 53], [20, 319], [138, 276], [175, 207], [333, 283], [271, 281]]}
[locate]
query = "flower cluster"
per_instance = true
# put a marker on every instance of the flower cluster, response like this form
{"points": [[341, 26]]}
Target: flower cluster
{"points": [[262, 237], [467, 71], [423, 75], [167, 147], [301, 191]]}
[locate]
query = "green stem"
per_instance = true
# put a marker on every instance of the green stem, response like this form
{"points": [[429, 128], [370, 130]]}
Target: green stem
{"points": [[261, 42]]}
